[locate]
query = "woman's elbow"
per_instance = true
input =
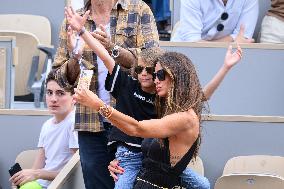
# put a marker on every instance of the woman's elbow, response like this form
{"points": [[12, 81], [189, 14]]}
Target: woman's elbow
{"points": [[137, 130]]}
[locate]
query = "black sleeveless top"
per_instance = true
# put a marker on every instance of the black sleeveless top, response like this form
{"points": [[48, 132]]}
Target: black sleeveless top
{"points": [[157, 171]]}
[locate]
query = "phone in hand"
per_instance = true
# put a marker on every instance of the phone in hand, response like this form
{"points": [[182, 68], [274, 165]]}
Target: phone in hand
{"points": [[14, 169]]}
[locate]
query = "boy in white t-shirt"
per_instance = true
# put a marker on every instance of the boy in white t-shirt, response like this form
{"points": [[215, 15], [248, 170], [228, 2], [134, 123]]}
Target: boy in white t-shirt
{"points": [[57, 141]]}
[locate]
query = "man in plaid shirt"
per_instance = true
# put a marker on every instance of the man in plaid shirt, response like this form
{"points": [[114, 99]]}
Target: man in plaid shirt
{"points": [[125, 26]]}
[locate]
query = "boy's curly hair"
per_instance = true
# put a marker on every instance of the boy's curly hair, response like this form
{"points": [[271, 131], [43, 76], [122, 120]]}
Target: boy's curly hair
{"points": [[149, 56]]}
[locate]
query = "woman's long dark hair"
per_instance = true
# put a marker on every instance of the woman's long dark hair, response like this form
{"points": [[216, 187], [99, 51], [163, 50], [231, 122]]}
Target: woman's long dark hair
{"points": [[185, 92]]}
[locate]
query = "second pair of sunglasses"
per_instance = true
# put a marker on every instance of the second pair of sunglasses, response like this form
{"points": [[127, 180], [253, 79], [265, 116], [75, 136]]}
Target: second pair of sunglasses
{"points": [[161, 75], [149, 70]]}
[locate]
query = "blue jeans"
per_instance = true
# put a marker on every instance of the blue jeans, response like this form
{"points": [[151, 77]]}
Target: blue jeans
{"points": [[131, 162], [192, 180], [161, 9], [95, 160]]}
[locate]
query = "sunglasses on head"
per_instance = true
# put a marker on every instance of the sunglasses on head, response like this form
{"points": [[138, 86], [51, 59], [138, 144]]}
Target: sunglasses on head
{"points": [[224, 16], [161, 75], [139, 69]]}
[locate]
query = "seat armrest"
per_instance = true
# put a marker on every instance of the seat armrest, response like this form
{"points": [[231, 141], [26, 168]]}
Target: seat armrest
{"points": [[49, 50]]}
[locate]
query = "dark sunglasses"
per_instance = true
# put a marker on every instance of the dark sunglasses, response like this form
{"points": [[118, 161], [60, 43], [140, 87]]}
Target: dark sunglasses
{"points": [[161, 75], [139, 69], [224, 16]]}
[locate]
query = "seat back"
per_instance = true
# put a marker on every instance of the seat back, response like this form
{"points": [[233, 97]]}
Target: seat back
{"points": [[255, 164], [249, 181], [70, 175], [27, 49], [252, 172], [197, 165], [37, 25], [26, 158]]}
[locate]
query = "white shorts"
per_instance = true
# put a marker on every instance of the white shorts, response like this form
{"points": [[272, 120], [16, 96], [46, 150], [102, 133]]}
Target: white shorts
{"points": [[272, 30]]}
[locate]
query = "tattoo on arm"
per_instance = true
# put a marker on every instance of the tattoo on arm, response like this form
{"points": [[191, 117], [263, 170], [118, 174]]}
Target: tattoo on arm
{"points": [[174, 159]]}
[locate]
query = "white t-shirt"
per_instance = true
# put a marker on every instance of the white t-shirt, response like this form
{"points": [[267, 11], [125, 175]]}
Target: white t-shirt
{"points": [[102, 74], [199, 19], [57, 139], [77, 4]]}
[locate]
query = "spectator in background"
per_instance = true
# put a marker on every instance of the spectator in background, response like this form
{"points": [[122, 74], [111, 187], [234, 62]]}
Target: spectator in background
{"points": [[57, 141], [217, 20], [162, 13], [272, 27], [123, 27]]}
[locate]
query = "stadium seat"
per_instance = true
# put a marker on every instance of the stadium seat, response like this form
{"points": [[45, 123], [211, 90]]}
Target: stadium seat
{"points": [[252, 172], [28, 55], [41, 28], [197, 165]]}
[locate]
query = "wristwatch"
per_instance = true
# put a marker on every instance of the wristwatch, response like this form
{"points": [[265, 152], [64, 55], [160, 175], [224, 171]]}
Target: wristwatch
{"points": [[115, 51]]}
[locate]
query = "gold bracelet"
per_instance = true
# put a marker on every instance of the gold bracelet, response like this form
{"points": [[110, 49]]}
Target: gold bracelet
{"points": [[106, 111]]}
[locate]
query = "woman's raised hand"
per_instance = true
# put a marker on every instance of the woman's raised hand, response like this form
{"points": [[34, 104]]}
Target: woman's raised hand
{"points": [[232, 58]]}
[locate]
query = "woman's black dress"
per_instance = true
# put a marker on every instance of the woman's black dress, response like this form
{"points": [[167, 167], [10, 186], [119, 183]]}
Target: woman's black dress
{"points": [[157, 171]]}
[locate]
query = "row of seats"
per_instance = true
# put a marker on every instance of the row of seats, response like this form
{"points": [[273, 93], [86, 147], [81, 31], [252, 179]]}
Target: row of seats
{"points": [[35, 52], [26, 159], [241, 172]]}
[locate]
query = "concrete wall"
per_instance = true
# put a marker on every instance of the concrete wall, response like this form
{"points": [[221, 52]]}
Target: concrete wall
{"points": [[52, 9], [253, 87], [221, 141], [224, 140]]}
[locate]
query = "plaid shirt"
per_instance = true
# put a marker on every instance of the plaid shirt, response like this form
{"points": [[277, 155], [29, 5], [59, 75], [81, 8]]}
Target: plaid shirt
{"points": [[132, 26]]}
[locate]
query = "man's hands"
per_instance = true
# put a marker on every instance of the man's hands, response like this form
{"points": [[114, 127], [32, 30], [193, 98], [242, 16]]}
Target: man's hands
{"points": [[241, 38], [101, 35]]}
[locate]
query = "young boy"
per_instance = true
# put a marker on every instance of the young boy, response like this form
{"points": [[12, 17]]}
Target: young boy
{"points": [[57, 141], [135, 98]]}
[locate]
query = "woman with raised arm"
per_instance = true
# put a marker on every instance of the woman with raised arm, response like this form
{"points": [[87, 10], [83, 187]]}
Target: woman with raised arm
{"points": [[171, 132]]}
